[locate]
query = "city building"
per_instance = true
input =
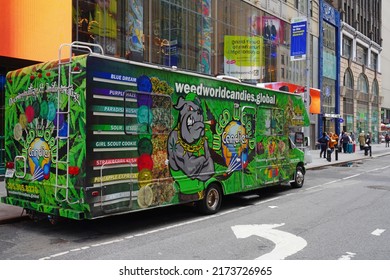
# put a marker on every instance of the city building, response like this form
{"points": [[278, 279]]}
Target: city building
{"points": [[360, 66], [385, 67]]}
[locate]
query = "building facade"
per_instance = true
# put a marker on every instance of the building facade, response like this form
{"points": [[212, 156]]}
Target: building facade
{"points": [[385, 67], [360, 66]]}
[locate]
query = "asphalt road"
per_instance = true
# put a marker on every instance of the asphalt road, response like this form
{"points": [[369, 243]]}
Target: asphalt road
{"points": [[340, 213]]}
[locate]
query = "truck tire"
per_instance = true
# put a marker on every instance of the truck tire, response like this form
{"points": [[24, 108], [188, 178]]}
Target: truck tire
{"points": [[299, 177], [211, 201]]}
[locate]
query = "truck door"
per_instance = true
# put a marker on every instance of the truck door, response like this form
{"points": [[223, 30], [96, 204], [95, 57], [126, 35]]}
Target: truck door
{"points": [[272, 146], [248, 147], [266, 147]]}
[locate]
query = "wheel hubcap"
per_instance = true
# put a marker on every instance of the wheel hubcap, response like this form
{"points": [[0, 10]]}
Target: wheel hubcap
{"points": [[299, 177], [212, 199]]}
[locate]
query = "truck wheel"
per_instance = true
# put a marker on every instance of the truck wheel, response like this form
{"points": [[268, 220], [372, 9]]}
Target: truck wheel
{"points": [[299, 178], [211, 201]]}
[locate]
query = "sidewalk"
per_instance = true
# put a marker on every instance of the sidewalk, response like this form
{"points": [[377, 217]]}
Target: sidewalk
{"points": [[377, 150], [9, 213]]}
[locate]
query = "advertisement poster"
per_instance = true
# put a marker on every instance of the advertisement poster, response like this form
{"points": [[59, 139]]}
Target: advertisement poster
{"points": [[272, 29], [243, 56]]}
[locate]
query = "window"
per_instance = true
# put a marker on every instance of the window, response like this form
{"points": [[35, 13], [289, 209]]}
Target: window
{"points": [[361, 54], [363, 83], [374, 61], [375, 88], [347, 47], [274, 121], [191, 35], [348, 79], [329, 36]]}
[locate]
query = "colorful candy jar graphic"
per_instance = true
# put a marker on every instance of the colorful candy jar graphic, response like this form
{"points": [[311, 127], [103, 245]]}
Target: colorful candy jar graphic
{"points": [[145, 167], [39, 159], [144, 118], [235, 146], [144, 85]]}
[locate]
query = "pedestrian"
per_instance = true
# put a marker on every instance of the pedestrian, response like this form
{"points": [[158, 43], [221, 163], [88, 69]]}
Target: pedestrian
{"points": [[346, 140], [333, 141], [387, 140], [352, 135], [368, 139], [362, 140], [323, 141]]}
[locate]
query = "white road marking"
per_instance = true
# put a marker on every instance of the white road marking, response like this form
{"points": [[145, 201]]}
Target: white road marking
{"points": [[347, 257], [273, 207], [378, 232], [286, 244]]}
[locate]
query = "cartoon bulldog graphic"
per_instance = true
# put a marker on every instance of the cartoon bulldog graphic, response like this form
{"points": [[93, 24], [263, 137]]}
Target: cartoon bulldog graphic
{"points": [[188, 151]]}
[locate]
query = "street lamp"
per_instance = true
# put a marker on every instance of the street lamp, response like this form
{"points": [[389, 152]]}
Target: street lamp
{"points": [[307, 91]]}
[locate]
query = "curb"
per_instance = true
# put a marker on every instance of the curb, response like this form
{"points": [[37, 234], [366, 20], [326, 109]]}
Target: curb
{"points": [[333, 163]]}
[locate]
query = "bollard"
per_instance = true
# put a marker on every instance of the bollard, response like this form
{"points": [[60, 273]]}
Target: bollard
{"points": [[366, 148], [336, 153], [328, 155]]}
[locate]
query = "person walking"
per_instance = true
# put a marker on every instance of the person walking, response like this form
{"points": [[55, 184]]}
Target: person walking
{"points": [[387, 140], [346, 140], [324, 140]]}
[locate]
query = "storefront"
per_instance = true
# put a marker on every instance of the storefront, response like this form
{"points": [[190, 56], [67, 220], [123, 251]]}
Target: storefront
{"points": [[227, 37]]}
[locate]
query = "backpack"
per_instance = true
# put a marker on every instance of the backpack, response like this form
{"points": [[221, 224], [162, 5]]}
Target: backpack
{"points": [[323, 139]]}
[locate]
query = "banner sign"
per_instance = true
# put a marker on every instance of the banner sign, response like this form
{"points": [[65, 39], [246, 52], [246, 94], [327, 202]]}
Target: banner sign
{"points": [[298, 39]]}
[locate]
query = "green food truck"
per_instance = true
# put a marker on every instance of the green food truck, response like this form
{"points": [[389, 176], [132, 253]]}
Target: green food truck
{"points": [[92, 136]]}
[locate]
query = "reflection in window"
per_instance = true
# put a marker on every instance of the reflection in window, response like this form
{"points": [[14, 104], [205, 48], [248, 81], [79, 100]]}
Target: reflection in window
{"points": [[191, 35]]}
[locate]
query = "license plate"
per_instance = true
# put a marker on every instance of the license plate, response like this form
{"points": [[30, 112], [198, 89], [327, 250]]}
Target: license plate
{"points": [[9, 173]]}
